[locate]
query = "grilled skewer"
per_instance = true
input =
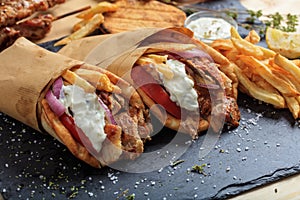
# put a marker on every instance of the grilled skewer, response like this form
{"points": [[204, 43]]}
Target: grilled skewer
{"points": [[33, 29], [12, 11]]}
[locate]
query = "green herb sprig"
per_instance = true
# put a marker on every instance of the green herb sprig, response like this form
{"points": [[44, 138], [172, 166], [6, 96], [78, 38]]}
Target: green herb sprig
{"points": [[256, 20], [287, 23], [199, 169]]}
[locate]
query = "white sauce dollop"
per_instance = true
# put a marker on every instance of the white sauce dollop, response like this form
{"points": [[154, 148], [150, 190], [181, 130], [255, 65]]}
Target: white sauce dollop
{"points": [[87, 113], [210, 28], [180, 86]]}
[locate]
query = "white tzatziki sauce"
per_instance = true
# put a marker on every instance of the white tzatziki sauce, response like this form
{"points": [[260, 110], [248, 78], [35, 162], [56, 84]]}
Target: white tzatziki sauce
{"points": [[87, 113], [210, 28], [180, 86]]}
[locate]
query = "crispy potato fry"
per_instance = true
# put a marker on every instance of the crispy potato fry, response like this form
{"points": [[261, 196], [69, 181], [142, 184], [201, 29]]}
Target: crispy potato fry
{"points": [[231, 54], [98, 80], [296, 62], [91, 25], [222, 44], [253, 37], [79, 25], [288, 77], [262, 73], [293, 105], [287, 65], [298, 99], [247, 48], [74, 79], [99, 8], [235, 34], [267, 52], [251, 48], [263, 70], [273, 98]]}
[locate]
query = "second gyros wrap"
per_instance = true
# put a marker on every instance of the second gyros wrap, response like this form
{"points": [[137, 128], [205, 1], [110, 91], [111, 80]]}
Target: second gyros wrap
{"points": [[96, 114], [174, 74]]}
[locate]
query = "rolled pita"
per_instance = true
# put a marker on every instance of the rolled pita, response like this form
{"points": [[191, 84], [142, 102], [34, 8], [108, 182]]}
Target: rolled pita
{"points": [[194, 86], [98, 116]]}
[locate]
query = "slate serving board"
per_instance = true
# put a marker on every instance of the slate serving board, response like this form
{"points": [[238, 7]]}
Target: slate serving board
{"points": [[264, 148]]}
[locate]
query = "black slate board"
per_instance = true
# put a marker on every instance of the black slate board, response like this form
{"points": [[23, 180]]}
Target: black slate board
{"points": [[264, 148]]}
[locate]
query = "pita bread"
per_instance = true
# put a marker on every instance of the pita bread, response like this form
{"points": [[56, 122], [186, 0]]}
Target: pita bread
{"points": [[118, 142], [170, 121], [214, 110], [65, 136], [134, 14]]}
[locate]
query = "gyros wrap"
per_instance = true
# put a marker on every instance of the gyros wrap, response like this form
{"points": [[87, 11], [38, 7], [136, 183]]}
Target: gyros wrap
{"points": [[98, 116], [194, 86]]}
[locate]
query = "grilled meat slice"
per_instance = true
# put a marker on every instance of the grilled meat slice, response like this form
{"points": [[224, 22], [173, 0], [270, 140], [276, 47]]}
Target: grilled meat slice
{"points": [[7, 37], [33, 29], [211, 91], [13, 11]]}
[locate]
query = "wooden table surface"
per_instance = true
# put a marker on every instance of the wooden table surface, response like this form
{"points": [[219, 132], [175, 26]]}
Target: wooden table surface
{"points": [[287, 188]]}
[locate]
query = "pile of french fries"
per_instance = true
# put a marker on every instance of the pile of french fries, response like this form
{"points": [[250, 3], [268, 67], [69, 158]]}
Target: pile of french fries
{"points": [[91, 19], [262, 73]]}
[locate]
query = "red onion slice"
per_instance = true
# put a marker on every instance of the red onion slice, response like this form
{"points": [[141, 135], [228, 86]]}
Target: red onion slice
{"points": [[56, 87], [208, 86], [193, 53], [108, 113], [56, 106]]}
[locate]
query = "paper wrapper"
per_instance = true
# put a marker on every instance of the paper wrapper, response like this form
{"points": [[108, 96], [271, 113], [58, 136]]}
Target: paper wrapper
{"points": [[26, 70], [118, 52]]}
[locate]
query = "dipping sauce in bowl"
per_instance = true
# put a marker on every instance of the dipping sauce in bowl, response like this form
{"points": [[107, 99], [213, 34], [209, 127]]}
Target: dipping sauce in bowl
{"points": [[208, 26]]}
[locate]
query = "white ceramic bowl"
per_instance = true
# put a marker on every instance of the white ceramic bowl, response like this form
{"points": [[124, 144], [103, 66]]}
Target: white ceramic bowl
{"points": [[209, 26]]}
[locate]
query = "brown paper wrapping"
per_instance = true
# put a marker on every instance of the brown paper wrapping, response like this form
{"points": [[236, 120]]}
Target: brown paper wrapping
{"points": [[26, 70], [118, 52]]}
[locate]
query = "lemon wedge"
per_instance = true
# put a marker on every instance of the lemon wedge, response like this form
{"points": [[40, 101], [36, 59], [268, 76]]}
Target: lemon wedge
{"points": [[284, 43]]}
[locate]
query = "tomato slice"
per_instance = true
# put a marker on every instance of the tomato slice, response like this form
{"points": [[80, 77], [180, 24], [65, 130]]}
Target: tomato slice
{"points": [[154, 90], [76, 132]]}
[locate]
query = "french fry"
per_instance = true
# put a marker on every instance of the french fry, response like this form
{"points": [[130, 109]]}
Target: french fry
{"points": [[235, 34], [99, 8], [253, 37], [80, 24], [231, 54], [261, 69], [74, 79], [293, 105], [296, 62], [298, 99], [90, 26], [288, 77], [98, 80], [216, 56], [247, 48], [287, 65], [267, 52], [273, 98], [222, 44], [250, 48], [262, 73]]}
